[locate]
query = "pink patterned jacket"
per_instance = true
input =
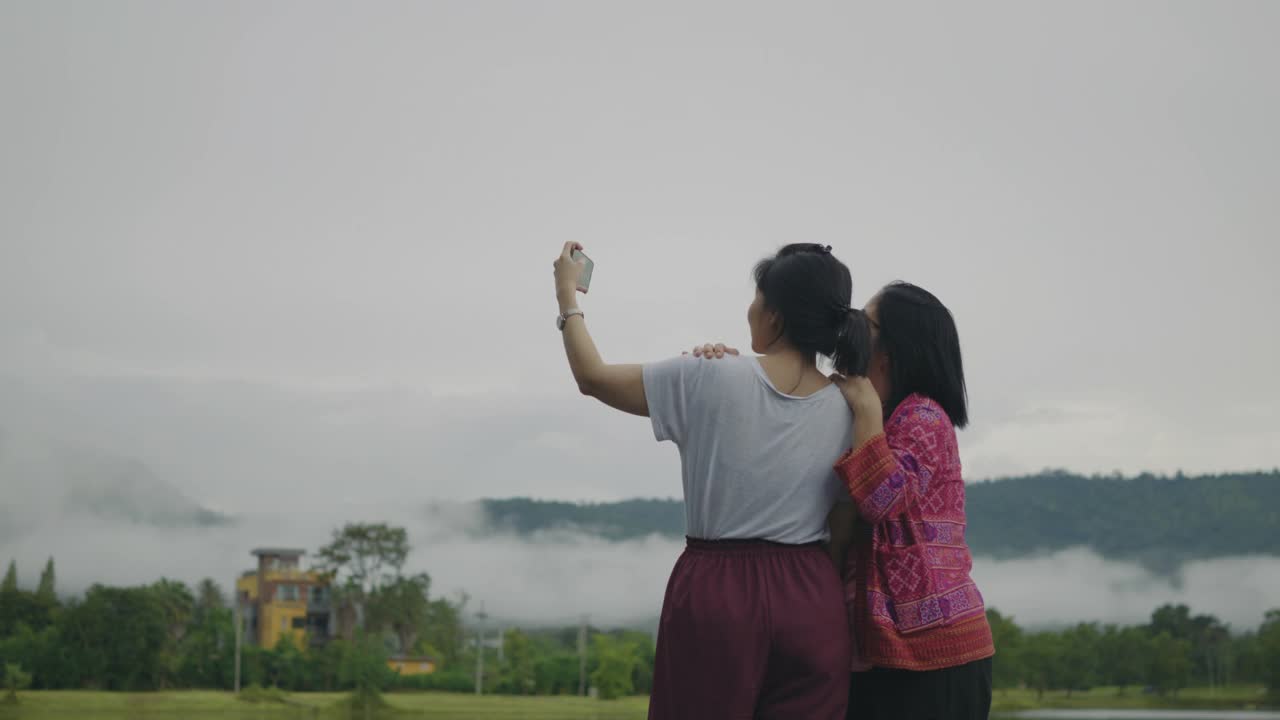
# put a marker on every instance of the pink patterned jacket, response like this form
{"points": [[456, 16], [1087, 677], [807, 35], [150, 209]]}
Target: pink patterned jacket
{"points": [[912, 603]]}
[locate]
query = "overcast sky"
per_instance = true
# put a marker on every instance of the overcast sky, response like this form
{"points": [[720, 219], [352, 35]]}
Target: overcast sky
{"points": [[300, 251]]}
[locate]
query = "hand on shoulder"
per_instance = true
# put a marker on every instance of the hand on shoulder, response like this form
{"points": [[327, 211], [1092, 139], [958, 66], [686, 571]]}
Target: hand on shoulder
{"points": [[714, 351], [860, 394]]}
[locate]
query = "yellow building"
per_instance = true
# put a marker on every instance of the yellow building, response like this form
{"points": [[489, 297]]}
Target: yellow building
{"points": [[280, 598], [406, 665]]}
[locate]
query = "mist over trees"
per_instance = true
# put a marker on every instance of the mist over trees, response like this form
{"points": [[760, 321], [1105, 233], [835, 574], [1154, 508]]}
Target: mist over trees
{"points": [[1158, 522]]}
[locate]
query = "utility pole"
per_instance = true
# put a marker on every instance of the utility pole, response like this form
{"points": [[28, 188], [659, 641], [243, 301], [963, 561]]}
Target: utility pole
{"points": [[236, 594], [582, 656], [481, 616]]}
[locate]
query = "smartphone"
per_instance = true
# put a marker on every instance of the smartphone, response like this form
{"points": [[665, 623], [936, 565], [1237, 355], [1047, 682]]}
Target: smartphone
{"points": [[584, 279]]}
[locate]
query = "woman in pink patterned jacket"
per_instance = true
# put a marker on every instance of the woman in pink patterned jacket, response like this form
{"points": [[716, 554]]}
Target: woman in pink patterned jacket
{"points": [[917, 617]]}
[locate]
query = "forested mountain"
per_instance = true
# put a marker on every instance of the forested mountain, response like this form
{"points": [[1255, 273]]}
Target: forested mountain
{"points": [[1158, 521]]}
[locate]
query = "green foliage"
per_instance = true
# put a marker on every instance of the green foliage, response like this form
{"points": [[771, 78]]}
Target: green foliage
{"points": [[10, 582], [209, 596], [47, 590], [43, 652], [120, 635], [1174, 651], [1007, 669], [363, 666], [1209, 639], [401, 605], [366, 563], [207, 650], [1117, 651], [256, 694], [444, 680], [616, 661], [1079, 658], [21, 607], [442, 630], [363, 556], [517, 675], [177, 606], [1269, 653], [326, 665], [15, 680], [1042, 662], [286, 667], [556, 673], [1168, 663]]}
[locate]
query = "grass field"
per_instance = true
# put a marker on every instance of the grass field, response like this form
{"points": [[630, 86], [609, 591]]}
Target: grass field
{"points": [[86, 705]]}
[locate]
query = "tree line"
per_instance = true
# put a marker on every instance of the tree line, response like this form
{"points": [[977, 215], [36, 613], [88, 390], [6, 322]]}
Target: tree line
{"points": [[1173, 650], [168, 635]]}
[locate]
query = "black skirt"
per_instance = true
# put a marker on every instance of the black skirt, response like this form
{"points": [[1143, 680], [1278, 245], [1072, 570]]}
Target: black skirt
{"points": [[956, 693]]}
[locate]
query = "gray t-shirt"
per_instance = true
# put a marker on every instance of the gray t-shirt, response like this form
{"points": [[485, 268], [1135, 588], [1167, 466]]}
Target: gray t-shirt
{"points": [[757, 463]]}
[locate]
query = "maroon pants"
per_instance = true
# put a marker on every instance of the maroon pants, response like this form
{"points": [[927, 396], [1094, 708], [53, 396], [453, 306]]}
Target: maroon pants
{"points": [[752, 629]]}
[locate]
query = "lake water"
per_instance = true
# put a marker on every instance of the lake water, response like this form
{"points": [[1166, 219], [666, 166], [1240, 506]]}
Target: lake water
{"points": [[1028, 715], [515, 709], [1142, 715]]}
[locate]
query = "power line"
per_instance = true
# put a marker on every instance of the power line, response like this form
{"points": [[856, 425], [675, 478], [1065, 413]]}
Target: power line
{"points": [[239, 624], [582, 656], [481, 616]]}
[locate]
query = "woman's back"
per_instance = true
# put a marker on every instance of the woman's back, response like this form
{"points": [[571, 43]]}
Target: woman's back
{"points": [[756, 462]]}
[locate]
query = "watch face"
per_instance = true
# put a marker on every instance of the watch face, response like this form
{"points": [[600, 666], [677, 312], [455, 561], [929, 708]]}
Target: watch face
{"points": [[560, 322]]}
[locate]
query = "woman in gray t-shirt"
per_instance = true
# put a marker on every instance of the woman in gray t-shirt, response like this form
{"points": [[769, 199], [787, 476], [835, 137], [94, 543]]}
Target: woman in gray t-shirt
{"points": [[753, 623]]}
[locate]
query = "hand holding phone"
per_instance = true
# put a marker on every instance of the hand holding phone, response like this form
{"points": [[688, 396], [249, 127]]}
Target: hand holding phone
{"points": [[584, 277]]}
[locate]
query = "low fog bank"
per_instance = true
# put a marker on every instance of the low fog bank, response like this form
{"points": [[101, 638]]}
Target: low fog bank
{"points": [[557, 577], [1079, 585]]}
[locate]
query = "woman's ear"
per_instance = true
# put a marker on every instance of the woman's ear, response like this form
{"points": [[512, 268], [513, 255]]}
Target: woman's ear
{"points": [[773, 319]]}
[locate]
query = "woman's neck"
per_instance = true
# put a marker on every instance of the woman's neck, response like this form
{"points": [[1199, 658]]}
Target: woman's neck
{"points": [[793, 372]]}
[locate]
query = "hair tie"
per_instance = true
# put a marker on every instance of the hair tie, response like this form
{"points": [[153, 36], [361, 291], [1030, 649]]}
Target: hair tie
{"points": [[841, 312], [826, 249]]}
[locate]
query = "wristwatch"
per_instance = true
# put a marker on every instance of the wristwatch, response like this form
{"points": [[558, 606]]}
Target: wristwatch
{"points": [[563, 317]]}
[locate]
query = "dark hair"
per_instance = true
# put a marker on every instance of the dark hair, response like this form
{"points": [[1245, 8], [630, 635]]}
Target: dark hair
{"points": [[919, 336], [811, 289]]}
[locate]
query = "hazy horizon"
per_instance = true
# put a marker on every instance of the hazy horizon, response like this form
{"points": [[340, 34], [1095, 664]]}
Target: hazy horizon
{"points": [[293, 259]]}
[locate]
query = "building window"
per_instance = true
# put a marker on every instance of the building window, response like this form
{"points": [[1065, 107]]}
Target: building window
{"points": [[287, 593], [299, 623], [317, 595], [284, 623]]}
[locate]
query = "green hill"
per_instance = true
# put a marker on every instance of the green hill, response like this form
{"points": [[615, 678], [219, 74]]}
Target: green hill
{"points": [[1160, 522]]}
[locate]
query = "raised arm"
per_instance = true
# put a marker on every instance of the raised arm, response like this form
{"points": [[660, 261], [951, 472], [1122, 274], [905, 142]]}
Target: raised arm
{"points": [[887, 471], [618, 386], [884, 470]]}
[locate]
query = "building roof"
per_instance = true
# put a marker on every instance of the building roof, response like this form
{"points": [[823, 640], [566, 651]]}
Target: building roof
{"points": [[281, 552]]}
